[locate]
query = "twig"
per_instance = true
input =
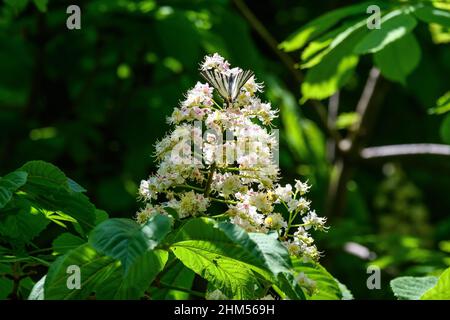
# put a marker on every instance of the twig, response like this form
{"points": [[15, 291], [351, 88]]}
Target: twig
{"points": [[405, 150]]}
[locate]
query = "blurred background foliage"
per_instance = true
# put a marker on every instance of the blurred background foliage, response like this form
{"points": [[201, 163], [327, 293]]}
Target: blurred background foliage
{"points": [[94, 101]]}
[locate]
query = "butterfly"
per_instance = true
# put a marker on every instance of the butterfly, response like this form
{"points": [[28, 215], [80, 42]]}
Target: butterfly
{"points": [[228, 86]]}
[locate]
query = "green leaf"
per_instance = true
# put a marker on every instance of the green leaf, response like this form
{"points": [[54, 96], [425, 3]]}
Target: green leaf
{"points": [[397, 60], [324, 80], [411, 288], [9, 184], [66, 242], [332, 67], [445, 129], [323, 23], [102, 275], [221, 253], [273, 253], [48, 189], [288, 287], [138, 278], [430, 14], [100, 216], [263, 252], [326, 284], [344, 38], [66, 203], [177, 276], [126, 240], [441, 291], [226, 255], [442, 105], [316, 47], [236, 279], [94, 268], [394, 26], [23, 226], [44, 174]]}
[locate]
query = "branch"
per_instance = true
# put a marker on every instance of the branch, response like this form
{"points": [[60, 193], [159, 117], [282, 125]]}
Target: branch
{"points": [[286, 59], [407, 150], [366, 108], [333, 110], [349, 148]]}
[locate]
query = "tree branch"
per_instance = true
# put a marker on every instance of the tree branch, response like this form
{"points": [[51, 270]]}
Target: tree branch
{"points": [[403, 150], [349, 148], [333, 111], [366, 108]]}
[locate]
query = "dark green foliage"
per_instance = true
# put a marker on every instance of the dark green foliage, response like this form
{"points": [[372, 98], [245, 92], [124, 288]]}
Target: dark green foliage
{"points": [[94, 101]]}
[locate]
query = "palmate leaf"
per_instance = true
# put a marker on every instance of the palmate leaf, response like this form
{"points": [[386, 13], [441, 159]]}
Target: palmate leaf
{"points": [[102, 275], [227, 256], [126, 240], [48, 188]]}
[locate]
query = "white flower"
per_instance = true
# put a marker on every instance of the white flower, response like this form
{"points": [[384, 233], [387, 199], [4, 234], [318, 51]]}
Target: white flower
{"points": [[261, 201], [215, 62], [192, 203], [252, 87], [275, 221], [233, 163], [230, 185], [301, 187], [284, 193], [312, 220], [303, 205]]}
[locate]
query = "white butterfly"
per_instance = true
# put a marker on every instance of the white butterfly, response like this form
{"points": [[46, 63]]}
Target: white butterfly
{"points": [[229, 85]]}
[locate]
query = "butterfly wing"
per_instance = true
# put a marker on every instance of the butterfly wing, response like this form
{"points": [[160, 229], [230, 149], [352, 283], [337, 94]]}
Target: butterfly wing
{"points": [[228, 86], [219, 81], [238, 82]]}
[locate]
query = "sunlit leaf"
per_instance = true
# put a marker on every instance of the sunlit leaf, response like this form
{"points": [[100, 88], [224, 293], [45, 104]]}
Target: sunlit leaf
{"points": [[397, 60]]}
